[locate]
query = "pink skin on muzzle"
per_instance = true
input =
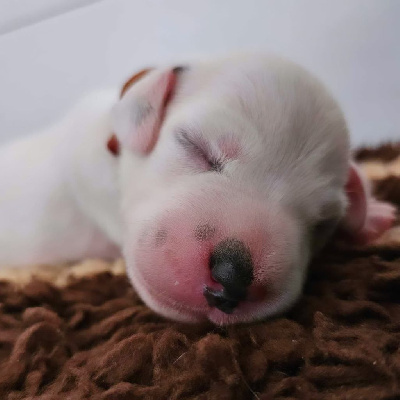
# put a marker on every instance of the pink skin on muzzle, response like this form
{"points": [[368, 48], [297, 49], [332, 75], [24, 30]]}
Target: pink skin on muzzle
{"points": [[170, 263]]}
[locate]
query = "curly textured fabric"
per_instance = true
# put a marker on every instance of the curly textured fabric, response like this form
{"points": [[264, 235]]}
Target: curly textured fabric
{"points": [[91, 337]]}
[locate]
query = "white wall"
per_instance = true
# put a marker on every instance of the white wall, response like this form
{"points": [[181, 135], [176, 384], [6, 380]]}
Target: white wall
{"points": [[353, 45]]}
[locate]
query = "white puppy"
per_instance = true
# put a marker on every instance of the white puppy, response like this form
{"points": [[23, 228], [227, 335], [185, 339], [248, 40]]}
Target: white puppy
{"points": [[222, 180]]}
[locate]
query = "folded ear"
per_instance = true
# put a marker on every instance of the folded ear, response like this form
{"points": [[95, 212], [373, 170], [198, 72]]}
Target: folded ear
{"points": [[138, 115], [366, 218], [134, 78]]}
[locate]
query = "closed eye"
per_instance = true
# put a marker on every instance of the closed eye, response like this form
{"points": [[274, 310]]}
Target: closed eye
{"points": [[199, 150]]}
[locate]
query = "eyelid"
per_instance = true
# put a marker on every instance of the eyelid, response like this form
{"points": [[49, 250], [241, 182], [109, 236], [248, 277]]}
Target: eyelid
{"points": [[188, 143], [199, 149]]}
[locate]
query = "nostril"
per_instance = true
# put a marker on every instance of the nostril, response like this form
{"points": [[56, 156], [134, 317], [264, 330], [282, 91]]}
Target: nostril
{"points": [[220, 299], [231, 266]]}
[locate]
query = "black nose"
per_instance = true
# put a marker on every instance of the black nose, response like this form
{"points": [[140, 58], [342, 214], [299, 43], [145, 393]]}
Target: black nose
{"points": [[231, 266]]}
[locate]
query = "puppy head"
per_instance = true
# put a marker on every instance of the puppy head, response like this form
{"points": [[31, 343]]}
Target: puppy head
{"points": [[232, 175]]}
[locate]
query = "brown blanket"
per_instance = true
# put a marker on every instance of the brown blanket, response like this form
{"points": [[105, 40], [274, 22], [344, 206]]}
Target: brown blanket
{"points": [[81, 332]]}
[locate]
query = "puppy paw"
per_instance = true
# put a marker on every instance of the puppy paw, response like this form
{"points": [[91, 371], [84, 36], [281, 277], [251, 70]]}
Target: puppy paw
{"points": [[380, 217]]}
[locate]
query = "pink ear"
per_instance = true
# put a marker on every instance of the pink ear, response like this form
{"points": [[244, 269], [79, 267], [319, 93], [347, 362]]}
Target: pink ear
{"points": [[138, 116], [366, 218]]}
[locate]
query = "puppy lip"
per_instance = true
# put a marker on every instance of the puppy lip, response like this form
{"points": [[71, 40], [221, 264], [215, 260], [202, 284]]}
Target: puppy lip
{"points": [[178, 311], [166, 301], [241, 314]]}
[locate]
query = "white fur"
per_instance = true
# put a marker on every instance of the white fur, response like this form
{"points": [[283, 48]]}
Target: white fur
{"points": [[59, 193], [65, 197]]}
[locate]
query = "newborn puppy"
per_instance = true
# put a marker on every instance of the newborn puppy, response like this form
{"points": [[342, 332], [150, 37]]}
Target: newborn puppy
{"points": [[217, 180]]}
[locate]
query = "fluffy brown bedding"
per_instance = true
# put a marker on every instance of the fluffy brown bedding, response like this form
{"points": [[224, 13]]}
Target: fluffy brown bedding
{"points": [[81, 332]]}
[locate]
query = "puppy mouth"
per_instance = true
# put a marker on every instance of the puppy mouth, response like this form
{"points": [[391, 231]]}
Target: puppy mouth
{"points": [[196, 308], [163, 304], [244, 313]]}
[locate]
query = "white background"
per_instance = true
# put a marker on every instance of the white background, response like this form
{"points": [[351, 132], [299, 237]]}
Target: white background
{"points": [[54, 51]]}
